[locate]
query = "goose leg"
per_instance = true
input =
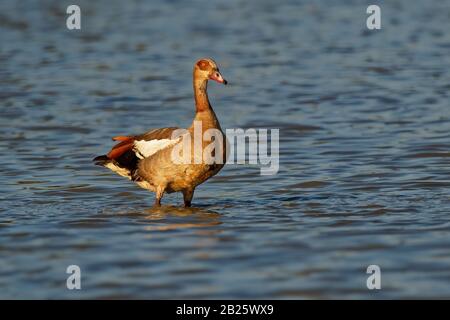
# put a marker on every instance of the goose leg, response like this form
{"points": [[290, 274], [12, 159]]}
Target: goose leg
{"points": [[159, 195], [187, 197]]}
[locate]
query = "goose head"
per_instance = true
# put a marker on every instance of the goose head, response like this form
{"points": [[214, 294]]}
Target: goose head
{"points": [[206, 69]]}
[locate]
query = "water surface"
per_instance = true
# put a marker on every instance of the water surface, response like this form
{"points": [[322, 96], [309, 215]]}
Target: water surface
{"points": [[364, 150]]}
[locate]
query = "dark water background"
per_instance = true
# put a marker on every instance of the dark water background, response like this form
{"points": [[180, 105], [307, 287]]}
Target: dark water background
{"points": [[364, 121]]}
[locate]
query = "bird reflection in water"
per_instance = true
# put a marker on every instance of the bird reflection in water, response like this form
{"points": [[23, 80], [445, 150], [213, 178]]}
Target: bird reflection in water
{"points": [[171, 218]]}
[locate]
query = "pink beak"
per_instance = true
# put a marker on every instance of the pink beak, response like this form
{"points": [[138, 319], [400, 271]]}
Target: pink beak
{"points": [[216, 76]]}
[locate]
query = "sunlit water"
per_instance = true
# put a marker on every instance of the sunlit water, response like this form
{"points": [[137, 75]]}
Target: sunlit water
{"points": [[364, 150]]}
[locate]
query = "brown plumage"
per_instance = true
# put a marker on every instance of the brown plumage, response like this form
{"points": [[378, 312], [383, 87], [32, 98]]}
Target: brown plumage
{"points": [[147, 158]]}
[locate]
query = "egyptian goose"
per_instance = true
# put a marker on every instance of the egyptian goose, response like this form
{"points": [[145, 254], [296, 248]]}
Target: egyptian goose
{"points": [[147, 159]]}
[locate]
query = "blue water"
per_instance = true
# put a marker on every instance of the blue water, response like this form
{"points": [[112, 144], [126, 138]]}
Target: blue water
{"points": [[364, 177]]}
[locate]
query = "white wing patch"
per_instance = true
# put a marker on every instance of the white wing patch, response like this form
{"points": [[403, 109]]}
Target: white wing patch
{"points": [[145, 149]]}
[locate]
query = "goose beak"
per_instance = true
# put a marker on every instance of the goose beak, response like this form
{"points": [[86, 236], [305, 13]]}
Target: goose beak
{"points": [[216, 76]]}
